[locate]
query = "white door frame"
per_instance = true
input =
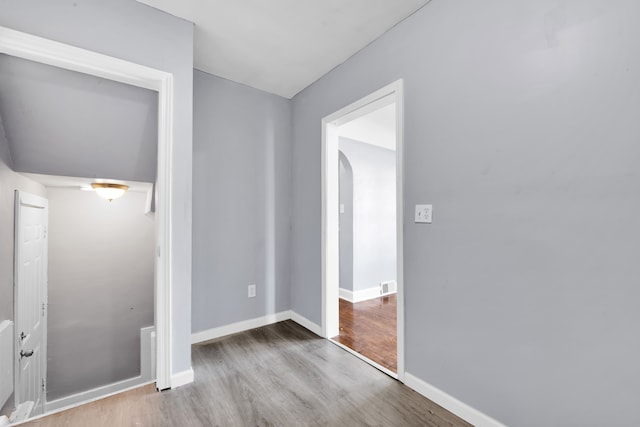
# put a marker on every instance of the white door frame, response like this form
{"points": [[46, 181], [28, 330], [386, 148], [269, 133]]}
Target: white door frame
{"points": [[27, 46], [330, 202]]}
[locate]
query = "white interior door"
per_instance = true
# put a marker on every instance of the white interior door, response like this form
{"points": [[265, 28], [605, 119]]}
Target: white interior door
{"points": [[31, 218]]}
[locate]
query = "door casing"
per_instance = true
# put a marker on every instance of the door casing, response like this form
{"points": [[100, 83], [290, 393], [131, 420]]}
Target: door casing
{"points": [[392, 93], [38, 49]]}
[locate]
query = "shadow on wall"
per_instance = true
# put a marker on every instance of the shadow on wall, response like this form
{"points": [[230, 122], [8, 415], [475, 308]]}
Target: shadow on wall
{"points": [[122, 121]]}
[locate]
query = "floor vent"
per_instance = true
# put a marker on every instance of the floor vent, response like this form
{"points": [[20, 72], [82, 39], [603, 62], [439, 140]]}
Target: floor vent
{"points": [[389, 287]]}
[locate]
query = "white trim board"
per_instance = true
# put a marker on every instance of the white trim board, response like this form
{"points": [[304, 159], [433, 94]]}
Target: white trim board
{"points": [[258, 322], [361, 295], [306, 323], [94, 394], [38, 49], [147, 376], [182, 378], [75, 405], [450, 403], [234, 328]]}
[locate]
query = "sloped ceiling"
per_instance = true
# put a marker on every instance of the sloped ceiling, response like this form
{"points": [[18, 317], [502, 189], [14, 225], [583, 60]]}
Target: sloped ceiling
{"points": [[60, 122], [282, 46]]}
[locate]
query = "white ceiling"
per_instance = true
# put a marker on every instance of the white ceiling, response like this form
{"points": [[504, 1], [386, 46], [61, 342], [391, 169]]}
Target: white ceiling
{"points": [[282, 46], [376, 128]]}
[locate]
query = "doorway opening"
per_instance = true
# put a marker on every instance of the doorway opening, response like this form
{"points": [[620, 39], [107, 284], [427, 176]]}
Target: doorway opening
{"points": [[363, 309], [26, 46]]}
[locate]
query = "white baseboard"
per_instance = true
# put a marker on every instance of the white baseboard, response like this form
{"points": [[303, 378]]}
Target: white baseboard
{"points": [[305, 323], [234, 328], [345, 294], [182, 378], [94, 394], [362, 295], [450, 403], [147, 376], [245, 325]]}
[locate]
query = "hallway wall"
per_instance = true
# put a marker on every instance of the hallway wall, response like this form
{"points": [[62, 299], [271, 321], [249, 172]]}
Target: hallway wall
{"points": [[521, 128], [241, 203]]}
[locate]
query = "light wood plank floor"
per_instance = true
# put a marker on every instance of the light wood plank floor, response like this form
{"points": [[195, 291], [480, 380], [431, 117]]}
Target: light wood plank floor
{"points": [[278, 375], [370, 328]]}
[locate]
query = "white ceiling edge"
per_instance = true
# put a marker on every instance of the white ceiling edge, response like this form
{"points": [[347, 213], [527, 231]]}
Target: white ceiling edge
{"points": [[283, 46], [70, 182], [376, 128]]}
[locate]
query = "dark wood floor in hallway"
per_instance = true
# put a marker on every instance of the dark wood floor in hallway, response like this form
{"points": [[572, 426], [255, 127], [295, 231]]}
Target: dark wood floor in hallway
{"points": [[370, 328], [278, 375]]}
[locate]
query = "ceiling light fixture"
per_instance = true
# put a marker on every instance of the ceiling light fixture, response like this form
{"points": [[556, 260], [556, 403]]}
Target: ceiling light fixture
{"points": [[109, 191]]}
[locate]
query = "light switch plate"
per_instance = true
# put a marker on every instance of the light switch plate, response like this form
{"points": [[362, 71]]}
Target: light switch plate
{"points": [[251, 291], [424, 213]]}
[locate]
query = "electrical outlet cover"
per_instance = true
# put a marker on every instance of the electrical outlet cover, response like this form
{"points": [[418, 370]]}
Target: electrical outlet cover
{"points": [[424, 213]]}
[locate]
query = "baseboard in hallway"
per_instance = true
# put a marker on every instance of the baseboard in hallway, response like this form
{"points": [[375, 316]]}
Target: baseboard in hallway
{"points": [[450, 403], [93, 395], [147, 376], [245, 325]]}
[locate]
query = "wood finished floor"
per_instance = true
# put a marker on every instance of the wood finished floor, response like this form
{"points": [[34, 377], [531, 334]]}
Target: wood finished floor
{"points": [[370, 328], [278, 375]]}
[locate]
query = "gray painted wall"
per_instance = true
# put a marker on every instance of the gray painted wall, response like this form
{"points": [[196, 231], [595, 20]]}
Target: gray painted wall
{"points": [[374, 213], [9, 183], [132, 31], [521, 127], [345, 222], [59, 122], [242, 202], [101, 269]]}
